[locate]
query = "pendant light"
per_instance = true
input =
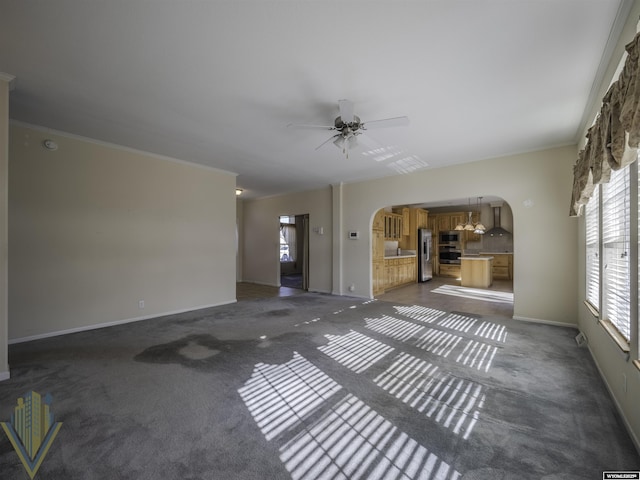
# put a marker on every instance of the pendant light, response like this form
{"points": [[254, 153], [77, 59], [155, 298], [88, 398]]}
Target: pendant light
{"points": [[469, 226], [479, 228]]}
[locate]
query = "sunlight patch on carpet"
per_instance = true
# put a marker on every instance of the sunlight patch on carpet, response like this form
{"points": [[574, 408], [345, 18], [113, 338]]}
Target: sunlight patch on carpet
{"points": [[355, 350], [281, 396], [477, 355], [393, 327], [457, 321], [420, 313], [492, 331], [353, 441], [438, 341], [453, 402], [475, 293]]}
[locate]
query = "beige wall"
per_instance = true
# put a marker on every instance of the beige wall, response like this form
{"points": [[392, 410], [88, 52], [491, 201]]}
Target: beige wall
{"points": [[537, 187], [615, 368], [94, 229], [261, 259], [4, 210]]}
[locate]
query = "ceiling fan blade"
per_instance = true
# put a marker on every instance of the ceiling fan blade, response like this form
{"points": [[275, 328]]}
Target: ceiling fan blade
{"points": [[328, 140], [311, 127], [387, 122], [346, 111]]}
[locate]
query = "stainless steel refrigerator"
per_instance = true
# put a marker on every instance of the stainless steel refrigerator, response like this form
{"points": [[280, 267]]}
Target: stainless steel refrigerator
{"points": [[425, 259]]}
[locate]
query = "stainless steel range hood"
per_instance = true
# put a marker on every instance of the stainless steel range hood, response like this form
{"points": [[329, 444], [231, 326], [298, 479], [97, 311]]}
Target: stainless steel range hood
{"points": [[497, 230]]}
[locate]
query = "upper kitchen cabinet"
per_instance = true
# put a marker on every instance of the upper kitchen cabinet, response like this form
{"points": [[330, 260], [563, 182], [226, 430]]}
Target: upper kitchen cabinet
{"points": [[417, 218], [422, 218], [405, 221], [432, 224], [449, 221], [392, 226]]}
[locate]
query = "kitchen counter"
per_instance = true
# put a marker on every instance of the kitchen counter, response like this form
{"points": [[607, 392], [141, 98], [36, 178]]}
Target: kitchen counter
{"points": [[496, 253], [476, 257], [476, 272], [391, 254]]}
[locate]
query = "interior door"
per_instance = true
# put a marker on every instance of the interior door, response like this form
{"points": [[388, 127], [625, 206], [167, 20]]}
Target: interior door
{"points": [[305, 252]]}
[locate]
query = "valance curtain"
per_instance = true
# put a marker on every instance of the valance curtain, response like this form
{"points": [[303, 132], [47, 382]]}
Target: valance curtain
{"points": [[613, 140]]}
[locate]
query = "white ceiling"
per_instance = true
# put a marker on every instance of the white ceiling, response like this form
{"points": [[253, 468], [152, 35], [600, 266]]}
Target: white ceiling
{"points": [[217, 82]]}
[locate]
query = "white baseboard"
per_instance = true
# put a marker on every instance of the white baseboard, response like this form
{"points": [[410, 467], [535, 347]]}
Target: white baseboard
{"points": [[313, 290], [112, 324], [262, 283], [545, 322], [5, 376], [634, 438]]}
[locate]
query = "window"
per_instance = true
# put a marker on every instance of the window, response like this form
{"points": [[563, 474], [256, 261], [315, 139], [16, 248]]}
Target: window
{"points": [[287, 239], [616, 231], [592, 220], [611, 259]]}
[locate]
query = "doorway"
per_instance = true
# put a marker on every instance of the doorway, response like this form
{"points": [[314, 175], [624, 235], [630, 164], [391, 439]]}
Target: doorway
{"points": [[294, 251], [448, 221]]}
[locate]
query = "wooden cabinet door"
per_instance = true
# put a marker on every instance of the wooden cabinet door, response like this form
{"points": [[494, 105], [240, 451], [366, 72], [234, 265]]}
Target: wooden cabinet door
{"points": [[423, 218], [378, 278], [432, 224], [444, 223], [377, 245], [405, 221], [387, 274], [456, 219]]}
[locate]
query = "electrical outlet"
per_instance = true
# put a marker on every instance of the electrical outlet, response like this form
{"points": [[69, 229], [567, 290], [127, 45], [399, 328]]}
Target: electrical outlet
{"points": [[141, 304]]}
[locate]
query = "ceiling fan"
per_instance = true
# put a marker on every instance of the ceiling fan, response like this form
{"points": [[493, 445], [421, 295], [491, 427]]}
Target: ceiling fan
{"points": [[350, 127]]}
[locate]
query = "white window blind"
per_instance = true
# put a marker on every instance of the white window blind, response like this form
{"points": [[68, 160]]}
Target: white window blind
{"points": [[616, 244], [592, 221]]}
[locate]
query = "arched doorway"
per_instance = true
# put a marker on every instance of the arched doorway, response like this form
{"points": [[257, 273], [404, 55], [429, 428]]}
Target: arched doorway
{"points": [[446, 289]]}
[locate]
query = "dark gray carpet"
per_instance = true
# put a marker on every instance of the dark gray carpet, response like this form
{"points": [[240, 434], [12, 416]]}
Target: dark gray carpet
{"points": [[320, 387], [291, 281]]}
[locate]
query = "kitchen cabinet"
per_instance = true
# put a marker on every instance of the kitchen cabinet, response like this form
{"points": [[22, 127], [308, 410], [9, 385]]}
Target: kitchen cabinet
{"points": [[392, 226], [377, 253], [377, 245], [417, 218], [399, 271], [456, 219], [433, 225], [449, 221], [449, 270], [422, 218], [378, 278], [469, 236], [502, 265], [444, 223], [405, 221]]}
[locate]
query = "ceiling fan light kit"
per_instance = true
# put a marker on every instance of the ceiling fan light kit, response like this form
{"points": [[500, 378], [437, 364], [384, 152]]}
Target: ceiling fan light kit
{"points": [[349, 127]]}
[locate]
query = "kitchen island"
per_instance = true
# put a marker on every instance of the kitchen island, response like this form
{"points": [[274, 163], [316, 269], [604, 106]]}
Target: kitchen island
{"points": [[476, 271]]}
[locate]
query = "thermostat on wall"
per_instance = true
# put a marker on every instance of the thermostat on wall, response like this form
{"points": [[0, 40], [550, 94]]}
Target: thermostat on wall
{"points": [[354, 235]]}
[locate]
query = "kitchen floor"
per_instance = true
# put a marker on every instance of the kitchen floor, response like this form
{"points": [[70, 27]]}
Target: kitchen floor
{"points": [[442, 293], [445, 293]]}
